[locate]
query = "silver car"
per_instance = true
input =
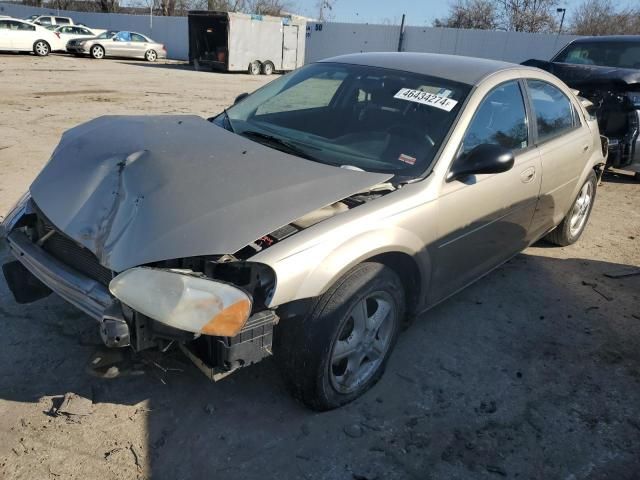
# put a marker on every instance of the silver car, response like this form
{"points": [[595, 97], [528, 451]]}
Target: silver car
{"points": [[312, 217], [118, 44]]}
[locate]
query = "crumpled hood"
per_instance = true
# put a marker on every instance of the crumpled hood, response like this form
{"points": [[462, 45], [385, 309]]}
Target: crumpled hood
{"points": [[582, 76], [142, 189]]}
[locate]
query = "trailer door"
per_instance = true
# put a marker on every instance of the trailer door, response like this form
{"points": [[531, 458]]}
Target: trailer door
{"points": [[289, 47]]}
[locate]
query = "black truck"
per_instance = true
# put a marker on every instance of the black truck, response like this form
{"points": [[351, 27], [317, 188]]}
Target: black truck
{"points": [[606, 71]]}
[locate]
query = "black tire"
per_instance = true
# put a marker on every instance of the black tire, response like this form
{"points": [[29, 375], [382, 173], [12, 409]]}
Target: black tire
{"points": [[304, 346], [150, 55], [268, 68], [637, 176], [255, 68], [97, 52], [563, 234], [41, 48]]}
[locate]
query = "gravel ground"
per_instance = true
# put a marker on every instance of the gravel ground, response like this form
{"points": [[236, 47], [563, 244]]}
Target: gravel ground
{"points": [[532, 373]]}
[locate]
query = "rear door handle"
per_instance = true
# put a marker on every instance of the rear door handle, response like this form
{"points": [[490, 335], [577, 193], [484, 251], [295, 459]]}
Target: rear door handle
{"points": [[528, 175]]}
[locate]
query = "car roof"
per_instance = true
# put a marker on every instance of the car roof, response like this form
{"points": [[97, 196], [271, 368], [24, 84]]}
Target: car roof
{"points": [[609, 38], [469, 70]]}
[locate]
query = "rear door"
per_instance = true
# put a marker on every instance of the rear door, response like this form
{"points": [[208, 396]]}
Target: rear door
{"points": [[485, 219], [139, 45], [289, 47], [565, 143]]}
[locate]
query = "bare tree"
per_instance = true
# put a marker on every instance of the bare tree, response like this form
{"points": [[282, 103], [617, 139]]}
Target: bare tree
{"points": [[527, 15], [478, 14], [602, 17], [267, 7], [108, 6], [325, 9]]}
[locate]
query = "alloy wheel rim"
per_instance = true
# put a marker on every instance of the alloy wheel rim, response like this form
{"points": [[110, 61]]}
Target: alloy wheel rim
{"points": [[41, 48], [580, 209], [151, 56], [363, 342], [97, 52]]}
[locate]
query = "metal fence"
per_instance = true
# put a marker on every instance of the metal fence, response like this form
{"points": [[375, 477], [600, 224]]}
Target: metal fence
{"points": [[330, 39]]}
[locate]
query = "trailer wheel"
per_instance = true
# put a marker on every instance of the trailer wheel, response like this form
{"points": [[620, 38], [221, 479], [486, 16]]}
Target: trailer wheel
{"points": [[255, 67], [267, 68]]}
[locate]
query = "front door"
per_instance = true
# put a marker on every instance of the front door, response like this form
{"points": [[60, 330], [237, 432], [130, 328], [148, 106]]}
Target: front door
{"points": [[5, 35], [289, 47], [483, 220], [119, 46]]}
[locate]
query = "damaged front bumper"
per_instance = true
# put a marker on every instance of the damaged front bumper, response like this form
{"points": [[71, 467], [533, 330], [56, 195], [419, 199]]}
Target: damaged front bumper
{"points": [[37, 270]]}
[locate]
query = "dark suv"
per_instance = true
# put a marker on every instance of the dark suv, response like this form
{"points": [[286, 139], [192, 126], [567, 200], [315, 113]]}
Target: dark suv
{"points": [[606, 72]]}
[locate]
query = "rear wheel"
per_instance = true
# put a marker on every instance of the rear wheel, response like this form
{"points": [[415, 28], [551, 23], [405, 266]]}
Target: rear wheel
{"points": [[41, 48], [341, 348], [151, 56], [254, 68], [572, 226], [97, 52], [267, 68]]}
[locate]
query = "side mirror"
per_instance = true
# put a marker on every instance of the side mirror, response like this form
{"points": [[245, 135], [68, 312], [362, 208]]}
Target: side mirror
{"points": [[485, 158], [240, 97]]}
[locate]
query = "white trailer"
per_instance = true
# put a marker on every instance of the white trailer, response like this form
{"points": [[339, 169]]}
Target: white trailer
{"points": [[251, 43]]}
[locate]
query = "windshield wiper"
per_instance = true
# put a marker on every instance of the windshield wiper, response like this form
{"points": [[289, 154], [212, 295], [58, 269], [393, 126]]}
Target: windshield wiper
{"points": [[278, 143]]}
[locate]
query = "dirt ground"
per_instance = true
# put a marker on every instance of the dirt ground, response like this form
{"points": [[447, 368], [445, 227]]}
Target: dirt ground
{"points": [[532, 373]]}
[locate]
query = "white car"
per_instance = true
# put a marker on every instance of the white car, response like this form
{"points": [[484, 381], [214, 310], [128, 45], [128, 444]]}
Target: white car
{"points": [[22, 36], [71, 32], [45, 20]]}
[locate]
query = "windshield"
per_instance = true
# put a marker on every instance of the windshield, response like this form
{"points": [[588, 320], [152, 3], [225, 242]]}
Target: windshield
{"points": [[620, 54], [370, 118], [107, 34]]}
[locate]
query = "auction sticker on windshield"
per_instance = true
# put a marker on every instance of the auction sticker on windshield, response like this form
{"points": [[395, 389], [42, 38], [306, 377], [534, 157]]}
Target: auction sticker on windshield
{"points": [[426, 98]]}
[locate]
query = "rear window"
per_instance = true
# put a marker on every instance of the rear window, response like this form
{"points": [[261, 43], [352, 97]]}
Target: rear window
{"points": [[553, 110], [619, 54]]}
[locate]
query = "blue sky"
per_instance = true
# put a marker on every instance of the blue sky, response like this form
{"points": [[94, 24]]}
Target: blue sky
{"points": [[419, 12]]}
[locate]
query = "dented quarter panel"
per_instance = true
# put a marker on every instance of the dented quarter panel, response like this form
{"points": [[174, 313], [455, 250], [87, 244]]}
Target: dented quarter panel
{"points": [[142, 189]]}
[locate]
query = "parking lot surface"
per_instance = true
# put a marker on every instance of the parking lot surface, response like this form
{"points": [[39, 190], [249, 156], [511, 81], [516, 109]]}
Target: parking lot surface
{"points": [[531, 373]]}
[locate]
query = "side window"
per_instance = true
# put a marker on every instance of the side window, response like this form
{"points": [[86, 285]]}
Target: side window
{"points": [[4, 25], [124, 37], [553, 111], [84, 31], [25, 26], [501, 119], [62, 21], [135, 37], [44, 21]]}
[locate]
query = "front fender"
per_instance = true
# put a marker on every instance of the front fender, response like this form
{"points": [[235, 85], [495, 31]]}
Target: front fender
{"points": [[310, 272]]}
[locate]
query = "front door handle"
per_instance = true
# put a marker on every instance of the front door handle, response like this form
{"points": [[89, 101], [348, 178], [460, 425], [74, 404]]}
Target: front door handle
{"points": [[528, 175]]}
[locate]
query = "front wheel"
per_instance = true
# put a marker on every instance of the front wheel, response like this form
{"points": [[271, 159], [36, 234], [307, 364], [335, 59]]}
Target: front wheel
{"points": [[151, 56], [341, 348], [254, 68], [573, 225], [97, 52], [41, 48]]}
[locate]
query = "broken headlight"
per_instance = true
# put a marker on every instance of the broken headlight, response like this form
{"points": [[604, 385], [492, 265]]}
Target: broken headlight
{"points": [[184, 301], [14, 214]]}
